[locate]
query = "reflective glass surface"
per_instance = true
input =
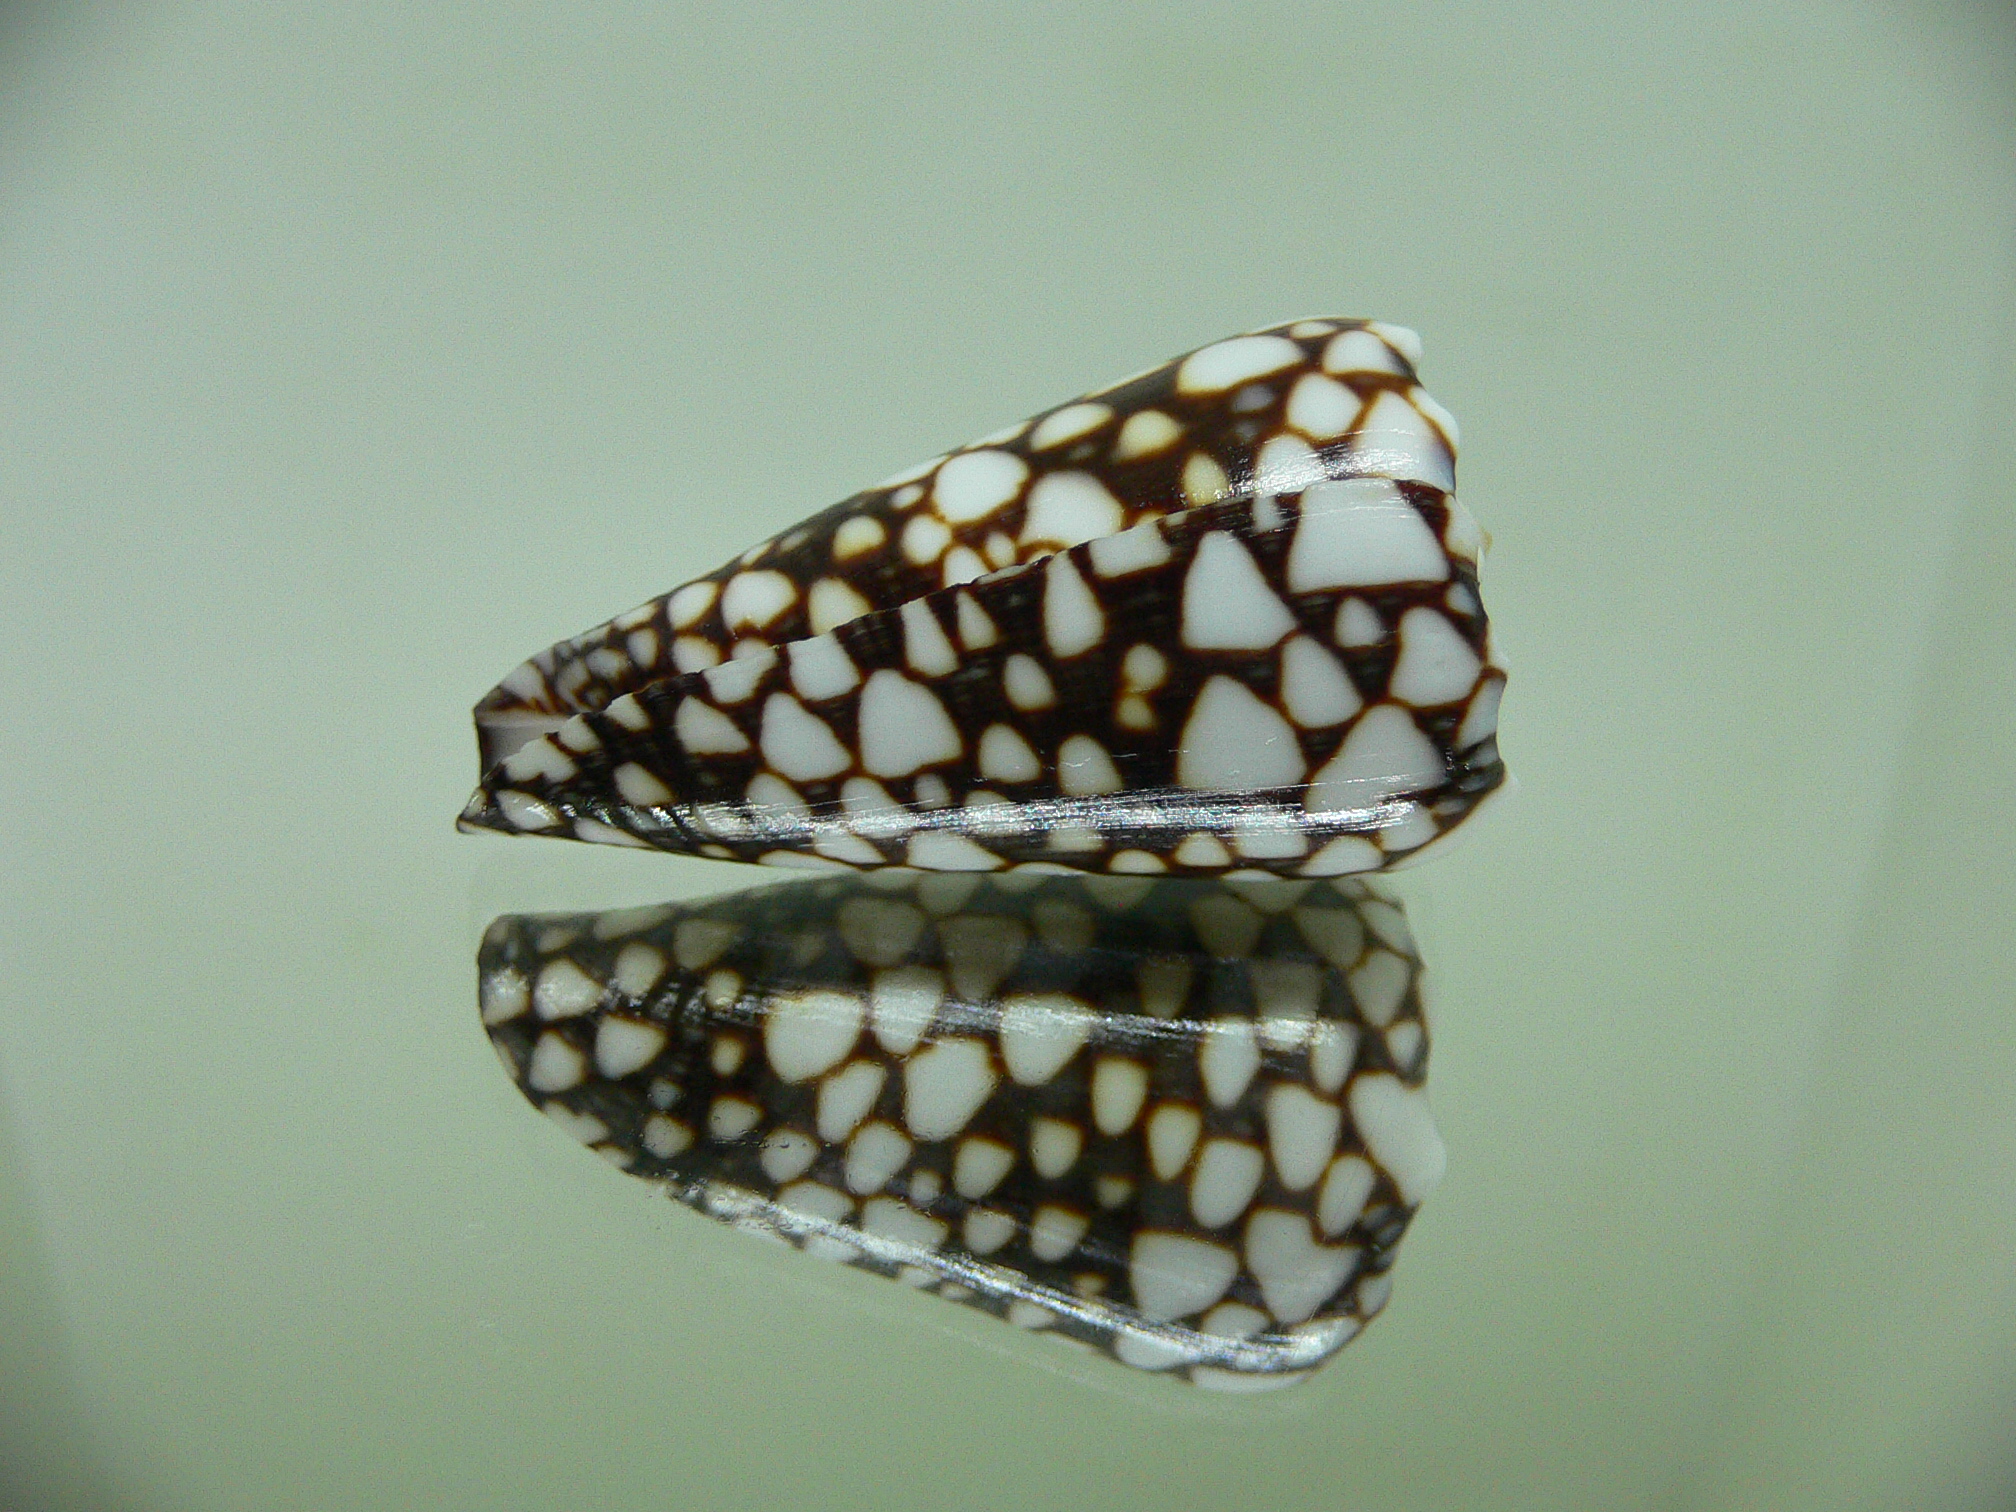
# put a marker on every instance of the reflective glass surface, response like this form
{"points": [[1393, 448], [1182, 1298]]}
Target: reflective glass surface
{"points": [[350, 355]]}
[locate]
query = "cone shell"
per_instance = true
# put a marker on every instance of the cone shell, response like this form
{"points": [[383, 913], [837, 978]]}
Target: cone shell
{"points": [[1221, 617]]}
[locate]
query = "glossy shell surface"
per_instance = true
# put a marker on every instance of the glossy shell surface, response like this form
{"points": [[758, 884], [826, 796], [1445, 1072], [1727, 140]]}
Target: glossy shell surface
{"points": [[1220, 617]]}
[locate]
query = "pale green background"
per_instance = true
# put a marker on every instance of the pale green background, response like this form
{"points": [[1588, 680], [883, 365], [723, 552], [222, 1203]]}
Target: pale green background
{"points": [[349, 353]]}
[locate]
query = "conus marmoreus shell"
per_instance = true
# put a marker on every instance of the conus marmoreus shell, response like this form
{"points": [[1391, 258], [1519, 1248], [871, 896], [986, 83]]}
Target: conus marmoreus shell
{"points": [[1219, 617], [1183, 1122]]}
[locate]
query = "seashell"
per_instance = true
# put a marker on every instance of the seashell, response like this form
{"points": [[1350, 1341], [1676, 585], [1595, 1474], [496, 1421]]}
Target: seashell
{"points": [[1183, 1122], [1222, 616]]}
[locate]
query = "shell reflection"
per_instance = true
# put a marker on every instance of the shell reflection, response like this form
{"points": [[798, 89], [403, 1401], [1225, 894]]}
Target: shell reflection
{"points": [[1184, 1122]]}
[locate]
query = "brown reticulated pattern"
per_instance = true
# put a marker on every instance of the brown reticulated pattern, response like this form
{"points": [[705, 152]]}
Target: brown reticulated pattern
{"points": [[1044, 648], [1154, 445]]}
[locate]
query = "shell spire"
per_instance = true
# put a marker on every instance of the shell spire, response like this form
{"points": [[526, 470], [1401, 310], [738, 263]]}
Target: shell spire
{"points": [[1221, 616]]}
